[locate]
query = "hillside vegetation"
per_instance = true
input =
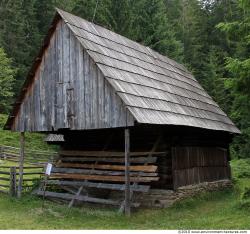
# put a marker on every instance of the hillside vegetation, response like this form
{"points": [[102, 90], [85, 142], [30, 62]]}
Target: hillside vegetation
{"points": [[33, 141]]}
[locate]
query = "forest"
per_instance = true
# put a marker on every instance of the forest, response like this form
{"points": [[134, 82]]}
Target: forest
{"points": [[210, 37]]}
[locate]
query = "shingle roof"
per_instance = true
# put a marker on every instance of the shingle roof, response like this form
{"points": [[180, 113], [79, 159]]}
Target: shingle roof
{"points": [[155, 89], [54, 138]]}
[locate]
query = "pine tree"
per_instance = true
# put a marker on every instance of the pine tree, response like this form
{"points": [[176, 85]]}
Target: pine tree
{"points": [[6, 82], [94, 10], [152, 29], [13, 35], [238, 32], [121, 17]]}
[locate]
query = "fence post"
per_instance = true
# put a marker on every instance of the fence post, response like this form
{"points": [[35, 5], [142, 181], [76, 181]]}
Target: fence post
{"points": [[21, 161], [2, 152], [12, 181]]}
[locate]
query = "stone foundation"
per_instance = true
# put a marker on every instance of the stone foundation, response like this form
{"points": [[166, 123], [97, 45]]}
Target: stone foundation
{"points": [[161, 198], [165, 198]]}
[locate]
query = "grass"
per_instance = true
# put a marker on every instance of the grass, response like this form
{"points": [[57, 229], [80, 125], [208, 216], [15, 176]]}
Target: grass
{"points": [[33, 141], [227, 209], [218, 210]]}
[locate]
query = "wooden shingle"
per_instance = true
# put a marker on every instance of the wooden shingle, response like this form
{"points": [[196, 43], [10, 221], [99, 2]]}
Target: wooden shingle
{"points": [[114, 78]]}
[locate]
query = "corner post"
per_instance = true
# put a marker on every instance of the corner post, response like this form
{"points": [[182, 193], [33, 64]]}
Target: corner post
{"points": [[21, 161], [127, 172]]}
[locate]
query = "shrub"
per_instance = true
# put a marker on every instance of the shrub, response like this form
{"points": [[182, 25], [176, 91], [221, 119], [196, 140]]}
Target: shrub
{"points": [[246, 193], [241, 168]]}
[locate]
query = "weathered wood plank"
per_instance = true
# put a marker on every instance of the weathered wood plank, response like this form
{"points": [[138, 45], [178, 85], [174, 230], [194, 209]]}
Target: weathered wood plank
{"points": [[121, 187], [99, 172], [147, 168], [76, 196], [102, 178], [68, 196], [65, 64], [115, 160], [106, 153]]}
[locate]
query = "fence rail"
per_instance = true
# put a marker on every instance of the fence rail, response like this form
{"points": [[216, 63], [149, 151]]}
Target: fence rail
{"points": [[31, 156], [9, 177], [33, 169]]}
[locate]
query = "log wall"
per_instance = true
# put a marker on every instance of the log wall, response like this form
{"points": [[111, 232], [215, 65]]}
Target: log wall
{"points": [[194, 165]]}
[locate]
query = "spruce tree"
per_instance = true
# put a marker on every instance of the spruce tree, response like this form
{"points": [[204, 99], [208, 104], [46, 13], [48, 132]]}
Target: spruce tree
{"points": [[238, 65], [6, 82], [152, 29]]}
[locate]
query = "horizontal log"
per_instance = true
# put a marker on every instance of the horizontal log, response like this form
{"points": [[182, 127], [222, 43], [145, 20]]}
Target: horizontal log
{"points": [[99, 172], [32, 167], [68, 196], [105, 153], [148, 168], [102, 178], [4, 186], [4, 173], [115, 160], [134, 187], [32, 173], [25, 173], [5, 179]]}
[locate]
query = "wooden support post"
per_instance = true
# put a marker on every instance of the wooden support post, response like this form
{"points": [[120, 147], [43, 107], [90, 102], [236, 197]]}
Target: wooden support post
{"points": [[127, 172], [21, 161], [13, 181]]}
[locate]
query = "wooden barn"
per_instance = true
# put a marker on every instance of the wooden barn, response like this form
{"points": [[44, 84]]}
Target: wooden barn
{"points": [[132, 119]]}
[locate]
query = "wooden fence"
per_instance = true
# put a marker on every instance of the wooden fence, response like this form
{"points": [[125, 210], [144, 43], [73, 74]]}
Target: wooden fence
{"points": [[36, 157], [9, 176], [33, 169]]}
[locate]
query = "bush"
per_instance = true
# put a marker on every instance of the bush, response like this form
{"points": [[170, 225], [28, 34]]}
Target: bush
{"points": [[240, 168], [244, 204], [246, 193]]}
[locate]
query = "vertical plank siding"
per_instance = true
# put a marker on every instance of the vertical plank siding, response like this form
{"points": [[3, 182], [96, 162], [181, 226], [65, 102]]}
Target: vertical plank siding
{"points": [[69, 91], [192, 165]]}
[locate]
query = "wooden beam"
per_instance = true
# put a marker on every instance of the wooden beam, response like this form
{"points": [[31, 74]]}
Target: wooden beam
{"points": [[67, 196], [77, 194], [127, 172], [108, 153], [143, 179], [99, 172], [21, 161], [120, 187], [110, 159], [147, 168]]}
